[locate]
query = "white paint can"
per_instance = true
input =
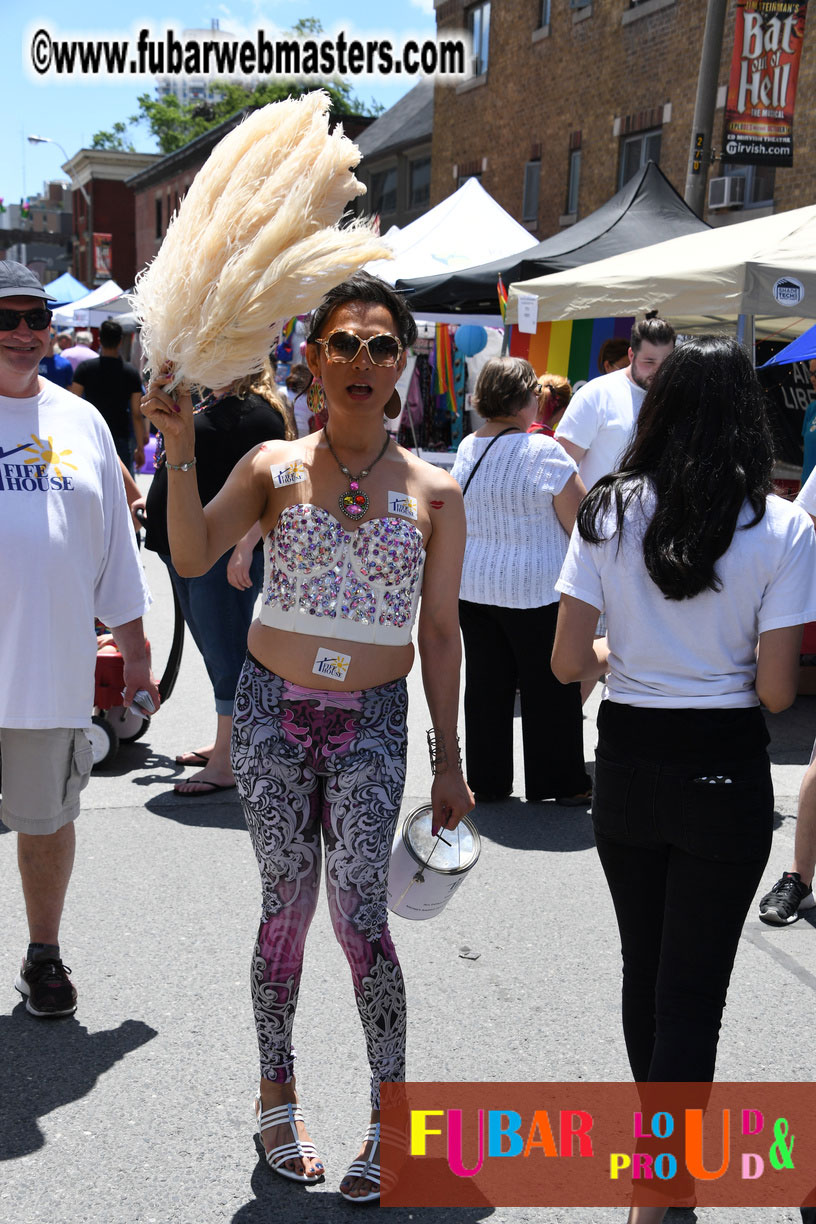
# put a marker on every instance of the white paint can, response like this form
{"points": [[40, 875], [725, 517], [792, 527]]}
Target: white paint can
{"points": [[426, 870]]}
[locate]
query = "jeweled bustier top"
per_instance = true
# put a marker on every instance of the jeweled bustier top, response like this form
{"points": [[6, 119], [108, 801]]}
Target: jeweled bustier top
{"points": [[361, 585]]}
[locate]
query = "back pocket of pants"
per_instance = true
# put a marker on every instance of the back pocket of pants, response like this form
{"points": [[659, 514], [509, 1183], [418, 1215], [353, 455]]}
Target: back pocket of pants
{"points": [[610, 797], [731, 822]]}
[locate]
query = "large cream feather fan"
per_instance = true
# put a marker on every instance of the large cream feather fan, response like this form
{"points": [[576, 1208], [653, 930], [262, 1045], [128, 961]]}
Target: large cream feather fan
{"points": [[255, 241]]}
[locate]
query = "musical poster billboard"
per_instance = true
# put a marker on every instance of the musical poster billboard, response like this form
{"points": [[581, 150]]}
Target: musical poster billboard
{"points": [[768, 39]]}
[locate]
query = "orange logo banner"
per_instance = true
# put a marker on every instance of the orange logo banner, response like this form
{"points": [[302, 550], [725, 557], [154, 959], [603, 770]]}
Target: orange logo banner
{"points": [[598, 1145]]}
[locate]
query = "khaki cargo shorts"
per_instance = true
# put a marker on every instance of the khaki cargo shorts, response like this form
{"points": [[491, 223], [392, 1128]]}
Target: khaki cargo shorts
{"points": [[43, 774]]}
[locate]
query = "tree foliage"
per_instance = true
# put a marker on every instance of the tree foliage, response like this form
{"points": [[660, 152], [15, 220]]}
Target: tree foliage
{"points": [[117, 138]]}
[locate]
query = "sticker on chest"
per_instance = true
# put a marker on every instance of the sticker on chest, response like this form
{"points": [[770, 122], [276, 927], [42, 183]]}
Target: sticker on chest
{"points": [[402, 503], [331, 663], [284, 474]]}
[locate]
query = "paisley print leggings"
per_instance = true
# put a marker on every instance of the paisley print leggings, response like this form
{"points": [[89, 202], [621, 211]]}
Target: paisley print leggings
{"points": [[307, 760]]}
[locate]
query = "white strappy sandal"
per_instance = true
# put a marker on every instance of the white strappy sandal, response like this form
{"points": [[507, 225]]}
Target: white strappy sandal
{"points": [[368, 1169], [276, 1157]]}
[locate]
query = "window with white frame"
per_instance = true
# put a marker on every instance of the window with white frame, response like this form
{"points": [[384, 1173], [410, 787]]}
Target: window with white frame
{"points": [[636, 151], [419, 183], [573, 181], [532, 179], [478, 24], [759, 183]]}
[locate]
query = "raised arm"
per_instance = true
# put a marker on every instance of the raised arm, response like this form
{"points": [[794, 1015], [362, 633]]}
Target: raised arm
{"points": [[199, 536], [440, 651]]}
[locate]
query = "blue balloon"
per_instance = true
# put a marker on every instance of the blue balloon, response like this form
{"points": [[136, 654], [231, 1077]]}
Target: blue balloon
{"points": [[470, 339]]}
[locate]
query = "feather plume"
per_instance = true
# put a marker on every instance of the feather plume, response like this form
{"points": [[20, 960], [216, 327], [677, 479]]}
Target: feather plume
{"points": [[255, 241]]}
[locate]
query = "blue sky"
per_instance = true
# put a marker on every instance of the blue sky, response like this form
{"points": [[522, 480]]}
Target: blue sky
{"points": [[71, 111]]}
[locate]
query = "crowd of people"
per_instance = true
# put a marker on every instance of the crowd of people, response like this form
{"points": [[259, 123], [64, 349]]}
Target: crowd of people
{"points": [[628, 533]]}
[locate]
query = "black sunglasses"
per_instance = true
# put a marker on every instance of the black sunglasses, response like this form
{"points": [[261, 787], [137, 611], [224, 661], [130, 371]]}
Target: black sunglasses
{"points": [[37, 319], [383, 350]]}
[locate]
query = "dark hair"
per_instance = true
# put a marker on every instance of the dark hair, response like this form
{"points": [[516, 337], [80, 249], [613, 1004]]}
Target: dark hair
{"points": [[503, 386], [653, 329], [612, 350], [110, 334], [363, 287], [703, 445], [298, 378]]}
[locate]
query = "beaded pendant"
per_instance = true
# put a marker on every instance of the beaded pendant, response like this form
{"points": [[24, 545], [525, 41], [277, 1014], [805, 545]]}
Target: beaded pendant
{"points": [[355, 502]]}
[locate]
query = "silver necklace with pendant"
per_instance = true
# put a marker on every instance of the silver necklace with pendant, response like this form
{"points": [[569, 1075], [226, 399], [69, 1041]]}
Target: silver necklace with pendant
{"points": [[354, 502]]}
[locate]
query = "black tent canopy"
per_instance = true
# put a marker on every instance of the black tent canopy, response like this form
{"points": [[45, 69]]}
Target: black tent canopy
{"points": [[646, 210]]}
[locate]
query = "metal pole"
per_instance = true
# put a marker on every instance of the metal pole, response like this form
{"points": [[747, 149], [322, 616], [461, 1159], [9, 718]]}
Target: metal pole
{"points": [[704, 106]]}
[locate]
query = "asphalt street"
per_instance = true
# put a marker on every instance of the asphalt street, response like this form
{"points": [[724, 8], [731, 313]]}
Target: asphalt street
{"points": [[138, 1110]]}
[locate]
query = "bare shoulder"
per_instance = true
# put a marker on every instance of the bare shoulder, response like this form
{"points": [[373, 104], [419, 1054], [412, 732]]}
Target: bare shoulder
{"points": [[276, 451]]}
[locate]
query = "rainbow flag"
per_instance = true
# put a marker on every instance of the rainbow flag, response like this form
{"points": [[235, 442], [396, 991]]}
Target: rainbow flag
{"points": [[502, 292], [569, 348], [444, 366], [288, 328]]}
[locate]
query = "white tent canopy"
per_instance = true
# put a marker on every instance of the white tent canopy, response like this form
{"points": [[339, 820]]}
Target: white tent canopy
{"points": [[75, 314], [464, 230], [765, 268]]}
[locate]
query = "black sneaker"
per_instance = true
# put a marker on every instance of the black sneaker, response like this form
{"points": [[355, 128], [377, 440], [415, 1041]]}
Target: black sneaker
{"points": [[786, 899], [47, 988]]}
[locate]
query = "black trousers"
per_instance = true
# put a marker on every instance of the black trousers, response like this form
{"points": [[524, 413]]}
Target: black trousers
{"points": [[506, 648], [683, 857]]}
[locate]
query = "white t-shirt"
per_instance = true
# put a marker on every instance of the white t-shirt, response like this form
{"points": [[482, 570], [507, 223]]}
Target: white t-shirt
{"points": [[68, 553], [696, 652], [806, 497], [515, 543], [601, 418]]}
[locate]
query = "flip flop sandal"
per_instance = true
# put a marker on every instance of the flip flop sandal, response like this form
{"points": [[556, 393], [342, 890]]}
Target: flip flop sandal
{"points": [[276, 1157], [212, 787], [193, 758]]}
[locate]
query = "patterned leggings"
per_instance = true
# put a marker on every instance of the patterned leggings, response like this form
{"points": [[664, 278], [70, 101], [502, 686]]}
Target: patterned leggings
{"points": [[306, 760]]}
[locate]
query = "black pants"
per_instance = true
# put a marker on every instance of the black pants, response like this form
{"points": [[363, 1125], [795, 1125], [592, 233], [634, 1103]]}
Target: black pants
{"points": [[507, 648], [683, 858]]}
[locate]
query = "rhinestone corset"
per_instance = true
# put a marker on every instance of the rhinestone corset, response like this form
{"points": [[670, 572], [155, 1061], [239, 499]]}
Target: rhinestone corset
{"points": [[361, 585]]}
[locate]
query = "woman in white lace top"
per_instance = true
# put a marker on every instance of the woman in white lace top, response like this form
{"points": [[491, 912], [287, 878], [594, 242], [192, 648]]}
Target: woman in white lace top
{"points": [[521, 496]]}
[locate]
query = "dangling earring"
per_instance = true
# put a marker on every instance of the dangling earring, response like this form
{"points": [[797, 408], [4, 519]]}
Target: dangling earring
{"points": [[316, 402], [314, 397], [393, 409]]}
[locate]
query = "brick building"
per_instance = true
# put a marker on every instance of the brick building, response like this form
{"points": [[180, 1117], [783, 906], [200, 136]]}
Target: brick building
{"points": [[42, 238], [570, 97], [105, 207]]}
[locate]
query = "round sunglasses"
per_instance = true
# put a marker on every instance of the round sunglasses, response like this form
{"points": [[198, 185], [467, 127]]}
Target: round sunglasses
{"points": [[383, 350]]}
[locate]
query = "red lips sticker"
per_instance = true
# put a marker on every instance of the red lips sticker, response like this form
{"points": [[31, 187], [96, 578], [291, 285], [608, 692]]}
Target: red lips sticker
{"points": [[437, 505]]}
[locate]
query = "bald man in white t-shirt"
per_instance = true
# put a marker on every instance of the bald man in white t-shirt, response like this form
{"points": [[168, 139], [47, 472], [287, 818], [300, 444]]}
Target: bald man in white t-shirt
{"points": [[600, 421]]}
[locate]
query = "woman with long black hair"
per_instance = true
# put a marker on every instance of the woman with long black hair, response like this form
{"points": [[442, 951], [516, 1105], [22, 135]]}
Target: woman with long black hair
{"points": [[706, 579]]}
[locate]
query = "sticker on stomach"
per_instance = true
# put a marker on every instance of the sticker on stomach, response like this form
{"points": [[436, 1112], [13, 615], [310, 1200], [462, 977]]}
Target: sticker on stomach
{"points": [[331, 664]]}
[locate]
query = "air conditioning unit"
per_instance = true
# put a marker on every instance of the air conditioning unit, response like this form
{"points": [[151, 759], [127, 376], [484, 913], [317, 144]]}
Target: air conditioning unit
{"points": [[727, 192]]}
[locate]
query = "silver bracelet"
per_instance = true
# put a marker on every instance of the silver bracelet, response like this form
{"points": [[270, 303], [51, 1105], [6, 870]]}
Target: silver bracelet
{"points": [[438, 752], [181, 467]]}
